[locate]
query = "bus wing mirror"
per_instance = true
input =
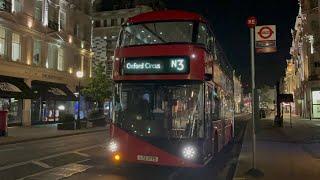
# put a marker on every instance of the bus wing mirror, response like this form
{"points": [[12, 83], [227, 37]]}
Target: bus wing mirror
{"points": [[208, 77]]}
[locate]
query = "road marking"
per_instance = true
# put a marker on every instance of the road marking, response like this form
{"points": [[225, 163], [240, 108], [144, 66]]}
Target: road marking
{"points": [[10, 149], [47, 157], [82, 154], [41, 164], [52, 171], [240, 178]]}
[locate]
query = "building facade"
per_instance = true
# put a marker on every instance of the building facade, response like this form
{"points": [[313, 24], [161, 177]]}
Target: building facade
{"points": [[303, 70], [43, 43], [106, 28], [238, 93]]}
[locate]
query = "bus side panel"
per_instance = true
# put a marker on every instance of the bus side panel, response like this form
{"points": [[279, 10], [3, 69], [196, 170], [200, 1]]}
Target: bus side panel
{"points": [[217, 129], [228, 131]]}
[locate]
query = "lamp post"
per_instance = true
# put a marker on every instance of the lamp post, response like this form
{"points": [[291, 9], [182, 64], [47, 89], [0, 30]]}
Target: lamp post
{"points": [[79, 75]]}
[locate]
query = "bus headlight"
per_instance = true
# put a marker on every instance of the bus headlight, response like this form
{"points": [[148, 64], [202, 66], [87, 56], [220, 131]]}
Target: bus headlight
{"points": [[113, 146], [189, 152]]}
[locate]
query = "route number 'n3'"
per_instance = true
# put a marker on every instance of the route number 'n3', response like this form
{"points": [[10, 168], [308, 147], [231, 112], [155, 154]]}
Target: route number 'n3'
{"points": [[177, 64]]}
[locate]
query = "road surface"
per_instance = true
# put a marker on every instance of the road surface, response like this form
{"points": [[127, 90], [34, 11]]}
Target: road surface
{"points": [[85, 157]]}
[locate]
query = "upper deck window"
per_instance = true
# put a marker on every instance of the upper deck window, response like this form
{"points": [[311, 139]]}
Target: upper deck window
{"points": [[157, 33], [203, 34]]}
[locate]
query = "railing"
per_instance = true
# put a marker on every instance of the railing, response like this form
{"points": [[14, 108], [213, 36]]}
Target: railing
{"points": [[5, 6]]}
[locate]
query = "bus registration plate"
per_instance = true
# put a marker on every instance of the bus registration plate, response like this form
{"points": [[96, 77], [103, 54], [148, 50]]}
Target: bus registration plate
{"points": [[147, 158]]}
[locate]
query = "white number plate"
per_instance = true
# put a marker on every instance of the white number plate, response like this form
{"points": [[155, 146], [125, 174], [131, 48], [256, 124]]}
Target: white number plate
{"points": [[147, 158]]}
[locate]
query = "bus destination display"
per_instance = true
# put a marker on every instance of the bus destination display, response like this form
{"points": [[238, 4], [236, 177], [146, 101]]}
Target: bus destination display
{"points": [[161, 65]]}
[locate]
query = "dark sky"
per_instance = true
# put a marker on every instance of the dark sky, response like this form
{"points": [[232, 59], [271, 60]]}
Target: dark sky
{"points": [[229, 21], [228, 18]]}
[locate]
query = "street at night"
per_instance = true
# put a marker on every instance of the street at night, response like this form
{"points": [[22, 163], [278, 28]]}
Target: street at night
{"points": [[159, 89], [85, 157]]}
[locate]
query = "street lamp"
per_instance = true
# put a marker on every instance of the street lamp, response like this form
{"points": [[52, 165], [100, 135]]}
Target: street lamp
{"points": [[79, 75]]}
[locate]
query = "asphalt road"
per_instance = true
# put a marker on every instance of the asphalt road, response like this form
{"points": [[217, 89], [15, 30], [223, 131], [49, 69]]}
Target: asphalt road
{"points": [[85, 157]]}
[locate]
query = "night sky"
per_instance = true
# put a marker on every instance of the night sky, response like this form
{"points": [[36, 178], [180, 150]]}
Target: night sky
{"points": [[228, 18]]}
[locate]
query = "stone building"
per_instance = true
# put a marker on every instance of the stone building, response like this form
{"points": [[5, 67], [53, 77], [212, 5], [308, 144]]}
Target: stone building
{"points": [[303, 70], [106, 28], [238, 93], [43, 43]]}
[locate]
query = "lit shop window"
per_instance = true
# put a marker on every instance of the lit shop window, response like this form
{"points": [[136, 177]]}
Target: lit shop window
{"points": [[2, 41], [16, 47], [36, 52]]}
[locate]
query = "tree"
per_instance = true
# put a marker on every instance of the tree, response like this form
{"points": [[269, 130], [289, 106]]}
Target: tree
{"points": [[100, 86], [266, 95]]}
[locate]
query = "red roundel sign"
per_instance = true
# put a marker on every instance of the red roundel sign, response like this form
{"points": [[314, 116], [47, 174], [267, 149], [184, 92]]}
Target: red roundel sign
{"points": [[265, 32]]}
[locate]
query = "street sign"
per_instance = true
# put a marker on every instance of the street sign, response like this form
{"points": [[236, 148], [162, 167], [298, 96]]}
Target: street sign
{"points": [[252, 22], [266, 39]]}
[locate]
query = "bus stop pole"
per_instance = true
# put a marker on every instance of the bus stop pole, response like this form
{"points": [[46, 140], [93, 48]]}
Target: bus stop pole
{"points": [[253, 99]]}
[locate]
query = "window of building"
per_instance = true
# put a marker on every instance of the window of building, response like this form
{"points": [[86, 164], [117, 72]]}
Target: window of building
{"points": [[16, 47], [315, 25], [52, 56], [62, 20], [60, 59], [105, 23], [317, 64], [36, 52], [2, 41], [82, 63], [17, 5], [76, 30], [53, 17], [313, 4], [114, 22], [38, 10], [97, 23]]}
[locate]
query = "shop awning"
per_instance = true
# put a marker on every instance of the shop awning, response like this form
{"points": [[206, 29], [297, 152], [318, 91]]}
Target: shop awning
{"points": [[11, 87], [52, 91]]}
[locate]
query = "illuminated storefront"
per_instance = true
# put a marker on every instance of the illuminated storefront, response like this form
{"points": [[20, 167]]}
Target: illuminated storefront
{"points": [[12, 93], [316, 104]]}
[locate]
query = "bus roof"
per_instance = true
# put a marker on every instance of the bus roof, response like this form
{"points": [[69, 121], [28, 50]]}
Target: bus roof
{"points": [[166, 15]]}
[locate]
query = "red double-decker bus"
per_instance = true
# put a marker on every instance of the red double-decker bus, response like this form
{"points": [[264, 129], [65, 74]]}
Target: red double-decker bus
{"points": [[173, 101]]}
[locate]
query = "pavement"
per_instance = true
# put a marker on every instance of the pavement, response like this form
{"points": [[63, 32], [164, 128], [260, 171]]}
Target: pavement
{"points": [[38, 132], [282, 153]]}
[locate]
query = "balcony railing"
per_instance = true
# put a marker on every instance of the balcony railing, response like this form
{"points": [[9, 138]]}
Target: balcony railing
{"points": [[5, 6]]}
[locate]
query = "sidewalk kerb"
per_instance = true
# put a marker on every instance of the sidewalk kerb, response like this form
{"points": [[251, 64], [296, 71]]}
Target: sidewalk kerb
{"points": [[50, 137], [238, 161]]}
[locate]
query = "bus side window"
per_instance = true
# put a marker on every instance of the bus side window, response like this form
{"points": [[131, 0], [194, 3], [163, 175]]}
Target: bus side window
{"points": [[208, 104], [203, 35]]}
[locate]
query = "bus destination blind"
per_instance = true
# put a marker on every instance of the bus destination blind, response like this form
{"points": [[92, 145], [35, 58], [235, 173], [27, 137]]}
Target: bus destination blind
{"points": [[163, 65]]}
